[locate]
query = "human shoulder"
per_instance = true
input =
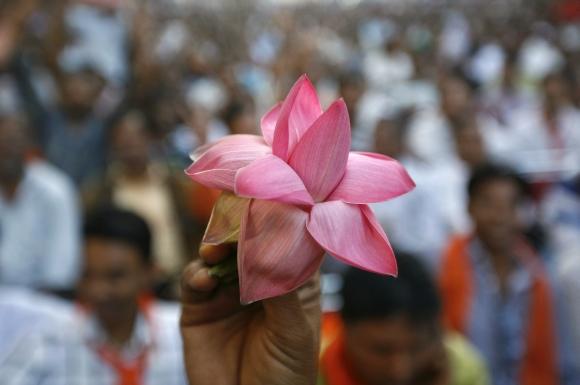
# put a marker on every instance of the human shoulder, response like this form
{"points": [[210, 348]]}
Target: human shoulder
{"points": [[53, 183], [467, 365]]}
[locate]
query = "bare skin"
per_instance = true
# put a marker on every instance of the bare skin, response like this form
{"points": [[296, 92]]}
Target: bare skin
{"points": [[273, 342]]}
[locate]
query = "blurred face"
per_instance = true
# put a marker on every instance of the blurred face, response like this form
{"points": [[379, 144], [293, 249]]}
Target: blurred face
{"points": [[131, 143], [555, 90], [387, 139], [113, 278], [455, 96], [81, 91], [469, 145], [493, 209], [245, 123], [13, 145], [351, 92], [392, 351]]}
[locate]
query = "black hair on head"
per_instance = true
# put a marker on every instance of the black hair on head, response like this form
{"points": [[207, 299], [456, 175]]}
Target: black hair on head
{"points": [[413, 293], [492, 172], [115, 224]]}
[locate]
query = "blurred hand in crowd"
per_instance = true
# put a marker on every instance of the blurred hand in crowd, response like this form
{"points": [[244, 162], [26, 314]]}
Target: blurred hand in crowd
{"points": [[273, 342]]}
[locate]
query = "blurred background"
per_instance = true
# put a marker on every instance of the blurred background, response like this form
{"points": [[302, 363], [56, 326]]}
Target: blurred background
{"points": [[102, 101]]}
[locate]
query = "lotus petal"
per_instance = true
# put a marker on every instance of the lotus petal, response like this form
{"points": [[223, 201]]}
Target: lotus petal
{"points": [[352, 234], [299, 110], [372, 178], [225, 220], [321, 155], [218, 165], [268, 123], [275, 252], [271, 178]]}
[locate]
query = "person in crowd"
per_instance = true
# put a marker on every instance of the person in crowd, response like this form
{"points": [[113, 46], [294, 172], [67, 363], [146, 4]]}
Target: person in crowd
{"points": [[470, 153], [391, 333], [352, 88], [561, 218], [33, 330], [126, 336], [71, 134], [240, 117], [136, 181], [430, 132], [545, 139], [39, 216], [415, 222], [496, 291]]}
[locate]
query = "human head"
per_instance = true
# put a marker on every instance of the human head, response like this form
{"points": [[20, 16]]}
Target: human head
{"points": [[555, 90], [456, 95], [391, 323], [80, 91], [13, 147], [117, 263], [351, 88], [390, 133], [495, 194], [130, 141], [468, 141], [240, 116]]}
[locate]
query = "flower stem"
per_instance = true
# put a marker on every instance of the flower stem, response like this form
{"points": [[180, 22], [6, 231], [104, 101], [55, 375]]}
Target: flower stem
{"points": [[226, 271]]}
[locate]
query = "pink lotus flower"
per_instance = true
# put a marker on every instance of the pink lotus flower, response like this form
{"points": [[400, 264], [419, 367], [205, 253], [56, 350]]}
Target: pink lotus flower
{"points": [[308, 194]]}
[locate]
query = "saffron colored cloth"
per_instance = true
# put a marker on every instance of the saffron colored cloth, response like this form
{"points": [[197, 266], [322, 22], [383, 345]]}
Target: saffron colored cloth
{"points": [[466, 366], [516, 332]]}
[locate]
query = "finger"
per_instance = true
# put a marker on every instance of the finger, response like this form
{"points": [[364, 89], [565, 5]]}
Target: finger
{"points": [[196, 283], [214, 254], [211, 307], [203, 298]]}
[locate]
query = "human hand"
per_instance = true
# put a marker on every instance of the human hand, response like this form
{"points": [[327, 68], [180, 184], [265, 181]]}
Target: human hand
{"points": [[271, 342]]}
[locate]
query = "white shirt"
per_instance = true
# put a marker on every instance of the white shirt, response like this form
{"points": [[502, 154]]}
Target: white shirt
{"points": [[158, 330], [430, 136], [39, 231], [532, 149], [59, 352], [33, 328], [561, 218], [416, 222]]}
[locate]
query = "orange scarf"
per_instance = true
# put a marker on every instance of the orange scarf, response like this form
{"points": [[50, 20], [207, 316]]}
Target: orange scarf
{"points": [[539, 363], [334, 366]]}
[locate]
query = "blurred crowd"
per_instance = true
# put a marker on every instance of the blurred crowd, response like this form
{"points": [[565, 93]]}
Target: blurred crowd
{"points": [[103, 101]]}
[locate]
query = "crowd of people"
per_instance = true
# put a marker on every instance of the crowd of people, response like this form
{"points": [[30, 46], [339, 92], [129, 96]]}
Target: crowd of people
{"points": [[103, 101]]}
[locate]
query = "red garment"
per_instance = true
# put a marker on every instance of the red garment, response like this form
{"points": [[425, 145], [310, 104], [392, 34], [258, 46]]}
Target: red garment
{"points": [[129, 373], [334, 366], [539, 364]]}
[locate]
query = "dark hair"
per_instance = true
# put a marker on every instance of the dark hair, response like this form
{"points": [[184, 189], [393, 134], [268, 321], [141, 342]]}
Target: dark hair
{"points": [[371, 296], [493, 172], [124, 113], [234, 109], [351, 77], [111, 223]]}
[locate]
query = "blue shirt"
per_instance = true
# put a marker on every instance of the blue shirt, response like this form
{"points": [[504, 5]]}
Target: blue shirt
{"points": [[498, 322]]}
